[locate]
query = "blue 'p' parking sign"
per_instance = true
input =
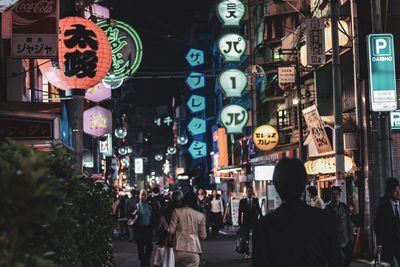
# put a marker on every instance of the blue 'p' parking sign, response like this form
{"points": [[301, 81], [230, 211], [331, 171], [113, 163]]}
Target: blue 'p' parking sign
{"points": [[382, 74]]}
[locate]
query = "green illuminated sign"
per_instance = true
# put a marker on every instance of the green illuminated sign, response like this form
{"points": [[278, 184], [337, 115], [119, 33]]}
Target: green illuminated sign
{"points": [[232, 82], [234, 118], [382, 74], [231, 12], [127, 50], [232, 46]]}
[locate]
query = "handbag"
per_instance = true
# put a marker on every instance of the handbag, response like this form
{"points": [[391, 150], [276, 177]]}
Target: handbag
{"points": [[132, 221], [168, 258], [158, 257]]}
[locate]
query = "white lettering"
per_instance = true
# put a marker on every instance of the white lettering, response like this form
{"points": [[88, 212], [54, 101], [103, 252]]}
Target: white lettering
{"points": [[380, 44]]}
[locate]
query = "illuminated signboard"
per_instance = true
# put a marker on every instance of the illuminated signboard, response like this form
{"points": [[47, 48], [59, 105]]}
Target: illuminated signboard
{"points": [[232, 46], [265, 137], [195, 57], [197, 126], [198, 149], [231, 12], [196, 80], [234, 118], [106, 146], [98, 93], [232, 82], [196, 103], [97, 121], [127, 50]]}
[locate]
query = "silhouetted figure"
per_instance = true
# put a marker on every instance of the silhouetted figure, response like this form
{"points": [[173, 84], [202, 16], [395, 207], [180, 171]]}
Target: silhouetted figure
{"points": [[295, 234]]}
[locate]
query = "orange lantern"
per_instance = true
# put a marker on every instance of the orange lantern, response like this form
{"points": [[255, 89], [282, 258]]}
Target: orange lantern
{"points": [[84, 55]]}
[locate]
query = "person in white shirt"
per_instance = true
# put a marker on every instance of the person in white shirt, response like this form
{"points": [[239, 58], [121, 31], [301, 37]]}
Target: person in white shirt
{"points": [[316, 201], [216, 211]]}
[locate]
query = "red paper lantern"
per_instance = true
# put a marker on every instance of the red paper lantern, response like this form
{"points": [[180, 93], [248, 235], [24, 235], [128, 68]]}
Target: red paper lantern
{"points": [[84, 55]]}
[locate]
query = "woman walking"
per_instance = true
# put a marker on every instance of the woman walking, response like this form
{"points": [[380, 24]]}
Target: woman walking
{"points": [[217, 211], [189, 226], [143, 229]]}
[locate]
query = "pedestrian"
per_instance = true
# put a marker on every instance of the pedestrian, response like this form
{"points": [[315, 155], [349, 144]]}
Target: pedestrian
{"points": [[249, 213], [130, 207], [345, 226], [204, 206], [295, 234], [387, 226], [216, 211], [143, 229], [189, 226], [157, 205], [316, 201], [174, 203], [122, 218], [116, 225]]}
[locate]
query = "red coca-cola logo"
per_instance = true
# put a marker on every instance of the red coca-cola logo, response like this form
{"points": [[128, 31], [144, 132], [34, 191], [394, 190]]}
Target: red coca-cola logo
{"points": [[35, 9]]}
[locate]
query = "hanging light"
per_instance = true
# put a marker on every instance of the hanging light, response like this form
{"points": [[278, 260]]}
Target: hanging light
{"points": [[125, 162], [120, 132], [171, 150], [182, 140], [158, 157]]}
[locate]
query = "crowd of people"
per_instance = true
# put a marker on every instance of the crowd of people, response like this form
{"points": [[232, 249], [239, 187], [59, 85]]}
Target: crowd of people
{"points": [[294, 234]]}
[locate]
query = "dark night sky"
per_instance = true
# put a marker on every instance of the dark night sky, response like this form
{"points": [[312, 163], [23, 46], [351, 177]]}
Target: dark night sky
{"points": [[164, 27]]}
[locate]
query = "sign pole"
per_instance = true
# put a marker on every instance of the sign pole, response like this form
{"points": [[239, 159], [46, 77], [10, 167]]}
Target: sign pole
{"points": [[77, 130], [299, 108], [337, 100]]}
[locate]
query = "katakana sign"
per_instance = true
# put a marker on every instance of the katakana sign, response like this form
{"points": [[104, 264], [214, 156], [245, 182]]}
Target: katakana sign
{"points": [[265, 137], [382, 73], [98, 93], [232, 46], [127, 50], [198, 149], [197, 126], [195, 57], [97, 121], [35, 29], [232, 82], [234, 118], [196, 80], [163, 121], [231, 12], [196, 103]]}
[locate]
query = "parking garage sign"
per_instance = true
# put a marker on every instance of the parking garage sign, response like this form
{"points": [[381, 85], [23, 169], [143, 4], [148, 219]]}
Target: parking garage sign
{"points": [[382, 74]]}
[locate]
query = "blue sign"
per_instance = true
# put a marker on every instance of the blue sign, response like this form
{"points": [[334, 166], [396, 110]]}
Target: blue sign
{"points": [[198, 149], [196, 103], [196, 80], [197, 126], [195, 57]]}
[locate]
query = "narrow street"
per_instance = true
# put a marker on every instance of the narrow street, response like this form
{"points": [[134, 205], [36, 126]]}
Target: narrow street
{"points": [[217, 252]]}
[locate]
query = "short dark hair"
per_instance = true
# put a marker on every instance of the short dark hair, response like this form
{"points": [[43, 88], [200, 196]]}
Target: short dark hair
{"points": [[134, 192], [290, 178], [390, 187], [391, 180], [156, 190], [190, 199], [336, 188], [312, 190]]}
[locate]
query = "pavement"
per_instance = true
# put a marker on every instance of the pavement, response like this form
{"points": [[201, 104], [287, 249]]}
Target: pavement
{"points": [[218, 251]]}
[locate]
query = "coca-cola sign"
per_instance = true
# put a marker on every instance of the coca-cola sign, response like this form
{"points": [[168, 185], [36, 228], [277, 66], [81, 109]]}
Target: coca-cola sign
{"points": [[35, 9], [35, 29]]}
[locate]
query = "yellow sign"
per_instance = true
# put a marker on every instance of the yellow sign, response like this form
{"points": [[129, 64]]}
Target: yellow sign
{"points": [[265, 137]]}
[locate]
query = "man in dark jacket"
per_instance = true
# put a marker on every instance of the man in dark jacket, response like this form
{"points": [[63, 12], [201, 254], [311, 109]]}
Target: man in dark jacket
{"points": [[295, 234], [387, 225]]}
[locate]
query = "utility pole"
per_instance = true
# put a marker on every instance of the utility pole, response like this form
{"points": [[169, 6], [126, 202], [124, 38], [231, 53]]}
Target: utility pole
{"points": [[299, 107], [77, 130], [337, 98]]}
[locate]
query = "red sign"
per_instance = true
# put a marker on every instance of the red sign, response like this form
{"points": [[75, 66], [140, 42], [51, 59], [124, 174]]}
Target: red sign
{"points": [[35, 29]]}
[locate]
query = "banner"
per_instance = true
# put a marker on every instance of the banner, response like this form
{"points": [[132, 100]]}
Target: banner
{"points": [[317, 130], [35, 29]]}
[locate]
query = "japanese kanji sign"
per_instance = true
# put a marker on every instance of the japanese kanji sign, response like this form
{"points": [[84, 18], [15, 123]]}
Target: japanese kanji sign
{"points": [[197, 126], [317, 130], [196, 80], [315, 41], [97, 121], [35, 29], [198, 149], [196, 103], [231, 12], [232, 46], [98, 93], [84, 56], [195, 57], [265, 137], [286, 75], [106, 146], [127, 50], [232, 82], [234, 118]]}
